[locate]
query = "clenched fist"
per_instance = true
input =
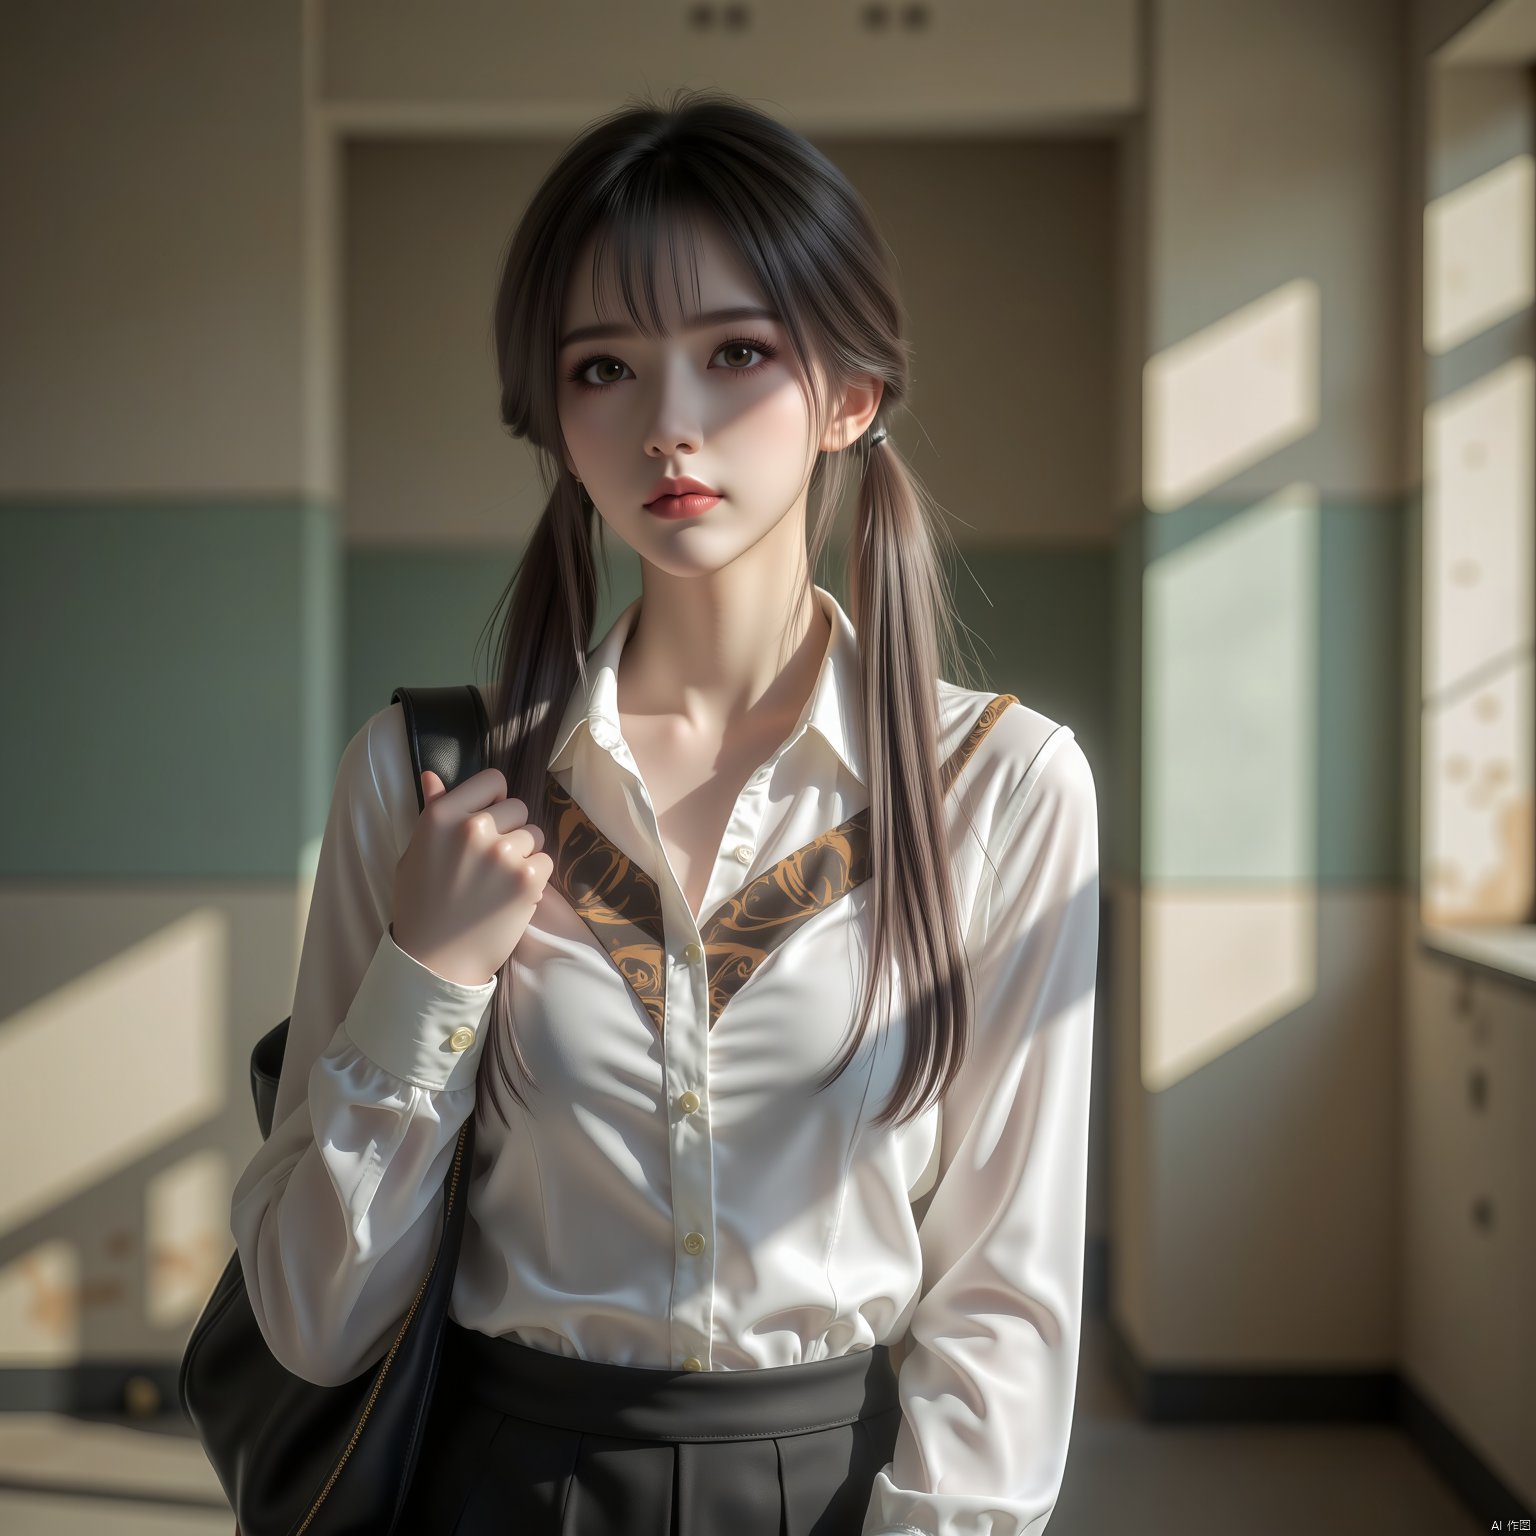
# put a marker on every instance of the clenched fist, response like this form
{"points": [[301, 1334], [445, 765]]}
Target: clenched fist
{"points": [[467, 884]]}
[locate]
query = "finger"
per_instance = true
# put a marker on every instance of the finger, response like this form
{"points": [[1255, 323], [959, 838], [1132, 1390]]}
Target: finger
{"points": [[482, 791], [528, 837], [509, 815]]}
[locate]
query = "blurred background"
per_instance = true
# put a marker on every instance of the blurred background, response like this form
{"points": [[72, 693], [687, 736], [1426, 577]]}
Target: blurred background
{"points": [[1226, 378]]}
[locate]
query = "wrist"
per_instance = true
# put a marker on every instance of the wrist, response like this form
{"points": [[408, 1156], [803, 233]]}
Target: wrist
{"points": [[444, 964]]}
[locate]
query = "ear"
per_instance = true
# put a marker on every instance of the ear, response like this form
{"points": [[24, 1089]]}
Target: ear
{"points": [[853, 415]]}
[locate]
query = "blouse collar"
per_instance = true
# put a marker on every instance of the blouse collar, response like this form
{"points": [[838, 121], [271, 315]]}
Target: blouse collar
{"points": [[832, 710]]}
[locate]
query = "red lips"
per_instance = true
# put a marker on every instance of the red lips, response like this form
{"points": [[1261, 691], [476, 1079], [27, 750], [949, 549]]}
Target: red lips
{"points": [[679, 487]]}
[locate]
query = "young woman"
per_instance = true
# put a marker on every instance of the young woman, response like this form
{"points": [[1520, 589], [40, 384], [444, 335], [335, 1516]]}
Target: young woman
{"points": [[783, 946]]}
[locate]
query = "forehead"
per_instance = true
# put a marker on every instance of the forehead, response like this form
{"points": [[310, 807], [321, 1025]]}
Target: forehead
{"points": [[694, 266]]}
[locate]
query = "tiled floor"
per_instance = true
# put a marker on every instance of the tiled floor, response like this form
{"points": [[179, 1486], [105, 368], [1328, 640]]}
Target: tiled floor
{"points": [[1122, 1476]]}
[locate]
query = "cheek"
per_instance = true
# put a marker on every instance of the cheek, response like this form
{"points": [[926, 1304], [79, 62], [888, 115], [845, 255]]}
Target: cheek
{"points": [[585, 437], [775, 426], [575, 418]]}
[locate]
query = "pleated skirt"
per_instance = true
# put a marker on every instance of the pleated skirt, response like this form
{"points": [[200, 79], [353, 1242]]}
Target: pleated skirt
{"points": [[523, 1442]]}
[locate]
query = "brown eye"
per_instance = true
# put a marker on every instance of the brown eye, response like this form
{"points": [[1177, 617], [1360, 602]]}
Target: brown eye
{"points": [[749, 344]]}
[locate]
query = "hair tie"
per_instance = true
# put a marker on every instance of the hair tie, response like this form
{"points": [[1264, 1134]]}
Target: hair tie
{"points": [[879, 436]]}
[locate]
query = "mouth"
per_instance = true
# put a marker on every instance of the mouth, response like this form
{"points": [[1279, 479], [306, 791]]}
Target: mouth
{"points": [[688, 504]]}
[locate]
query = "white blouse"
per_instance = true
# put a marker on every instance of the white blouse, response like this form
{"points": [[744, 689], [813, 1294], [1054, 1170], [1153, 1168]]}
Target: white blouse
{"points": [[681, 1196]]}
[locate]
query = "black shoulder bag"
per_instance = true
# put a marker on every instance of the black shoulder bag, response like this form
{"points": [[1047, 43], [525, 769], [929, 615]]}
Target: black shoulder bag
{"points": [[292, 1456]]}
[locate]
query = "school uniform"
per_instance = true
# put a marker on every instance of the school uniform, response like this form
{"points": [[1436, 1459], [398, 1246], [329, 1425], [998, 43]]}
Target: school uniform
{"points": [[695, 1294]]}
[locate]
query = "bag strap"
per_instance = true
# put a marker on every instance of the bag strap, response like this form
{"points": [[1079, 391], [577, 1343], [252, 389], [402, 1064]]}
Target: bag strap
{"points": [[448, 732]]}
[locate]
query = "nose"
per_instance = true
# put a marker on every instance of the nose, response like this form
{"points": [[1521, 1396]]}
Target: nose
{"points": [[663, 441], [675, 425]]}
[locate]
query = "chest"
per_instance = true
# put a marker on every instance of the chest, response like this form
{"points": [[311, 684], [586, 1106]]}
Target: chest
{"points": [[693, 786]]}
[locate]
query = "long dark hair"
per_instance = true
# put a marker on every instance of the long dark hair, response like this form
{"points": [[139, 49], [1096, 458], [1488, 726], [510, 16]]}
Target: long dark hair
{"points": [[636, 177]]}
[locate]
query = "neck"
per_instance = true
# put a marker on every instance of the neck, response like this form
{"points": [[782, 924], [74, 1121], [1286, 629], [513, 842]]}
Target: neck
{"points": [[725, 652]]}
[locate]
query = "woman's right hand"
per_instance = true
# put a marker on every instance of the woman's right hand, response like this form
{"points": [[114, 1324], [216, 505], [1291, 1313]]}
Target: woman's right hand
{"points": [[468, 882]]}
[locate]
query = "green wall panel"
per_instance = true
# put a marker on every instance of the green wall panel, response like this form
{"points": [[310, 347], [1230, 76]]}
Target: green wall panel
{"points": [[1041, 625], [168, 687], [1271, 691], [207, 661], [428, 618]]}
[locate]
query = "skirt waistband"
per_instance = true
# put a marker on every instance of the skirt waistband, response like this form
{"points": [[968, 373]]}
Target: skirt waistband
{"points": [[642, 1403]]}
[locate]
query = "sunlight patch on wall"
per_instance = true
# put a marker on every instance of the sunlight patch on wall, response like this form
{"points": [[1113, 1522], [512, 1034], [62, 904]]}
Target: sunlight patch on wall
{"points": [[1230, 669], [113, 1064], [1476, 801], [1217, 967], [187, 1237], [1478, 266], [40, 1305], [1230, 395]]}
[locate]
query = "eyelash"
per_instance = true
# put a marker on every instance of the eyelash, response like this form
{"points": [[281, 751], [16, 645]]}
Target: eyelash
{"points": [[757, 343]]}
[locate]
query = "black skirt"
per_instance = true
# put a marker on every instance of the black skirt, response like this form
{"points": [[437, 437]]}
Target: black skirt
{"points": [[523, 1442]]}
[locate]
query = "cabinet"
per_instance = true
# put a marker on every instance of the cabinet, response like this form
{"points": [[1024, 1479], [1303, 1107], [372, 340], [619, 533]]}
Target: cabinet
{"points": [[1469, 1208]]}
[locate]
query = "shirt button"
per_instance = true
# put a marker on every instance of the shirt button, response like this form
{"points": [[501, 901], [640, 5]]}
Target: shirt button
{"points": [[694, 1242], [693, 953], [688, 1102], [462, 1038], [743, 853], [693, 1363]]}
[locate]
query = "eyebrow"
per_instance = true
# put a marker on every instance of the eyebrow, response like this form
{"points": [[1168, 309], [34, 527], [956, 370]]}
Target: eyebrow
{"points": [[695, 323]]}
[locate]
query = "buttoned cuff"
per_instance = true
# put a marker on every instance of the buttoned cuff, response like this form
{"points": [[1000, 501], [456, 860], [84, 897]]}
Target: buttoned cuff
{"points": [[417, 1025]]}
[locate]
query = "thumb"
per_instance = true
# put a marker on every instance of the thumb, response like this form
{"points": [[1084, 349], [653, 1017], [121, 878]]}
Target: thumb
{"points": [[432, 786]]}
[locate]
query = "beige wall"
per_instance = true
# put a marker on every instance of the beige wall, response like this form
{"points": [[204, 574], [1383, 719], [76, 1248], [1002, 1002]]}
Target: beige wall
{"points": [[1268, 162], [1053, 65], [151, 302], [152, 311]]}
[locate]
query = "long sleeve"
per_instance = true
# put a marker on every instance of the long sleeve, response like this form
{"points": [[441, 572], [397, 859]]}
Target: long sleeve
{"points": [[989, 1384], [337, 1216]]}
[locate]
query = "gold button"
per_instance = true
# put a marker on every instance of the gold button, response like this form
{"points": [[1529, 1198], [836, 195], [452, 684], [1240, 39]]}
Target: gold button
{"points": [[688, 1102], [694, 1242], [693, 1363], [744, 853], [462, 1038], [693, 953]]}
